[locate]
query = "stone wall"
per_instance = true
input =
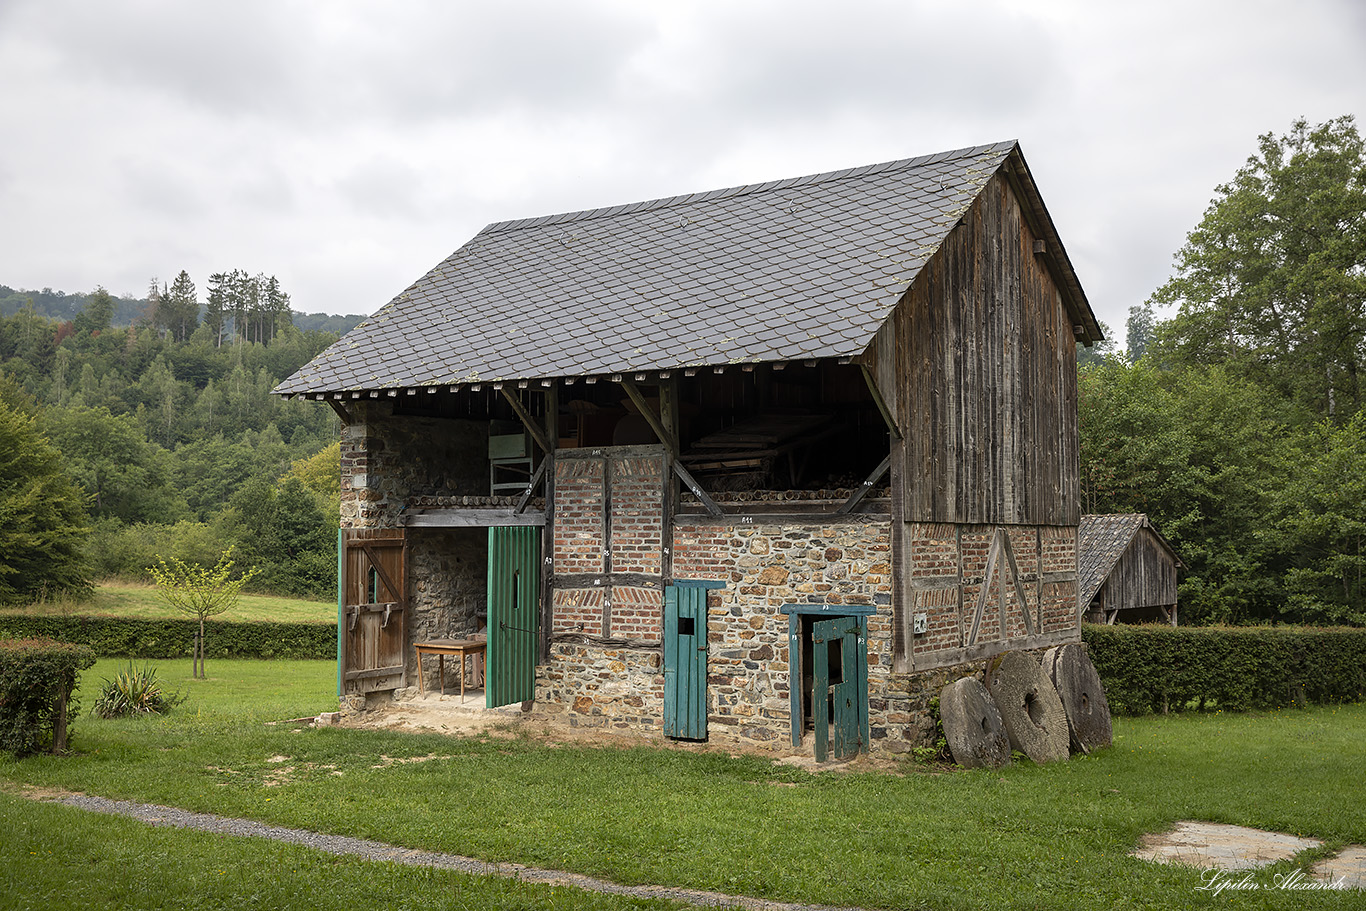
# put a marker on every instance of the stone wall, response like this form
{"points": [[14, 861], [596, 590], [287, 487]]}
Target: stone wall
{"points": [[765, 567], [613, 687], [447, 588], [387, 460]]}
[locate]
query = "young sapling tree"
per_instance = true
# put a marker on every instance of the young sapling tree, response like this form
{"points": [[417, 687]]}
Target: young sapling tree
{"points": [[205, 593]]}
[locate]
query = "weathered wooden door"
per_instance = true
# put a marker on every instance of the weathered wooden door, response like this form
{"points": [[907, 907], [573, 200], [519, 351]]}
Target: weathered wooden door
{"points": [[372, 601], [685, 660], [838, 694], [514, 608]]}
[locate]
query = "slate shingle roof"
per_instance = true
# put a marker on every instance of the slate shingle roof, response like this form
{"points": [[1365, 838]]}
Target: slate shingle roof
{"points": [[786, 270], [1101, 541]]}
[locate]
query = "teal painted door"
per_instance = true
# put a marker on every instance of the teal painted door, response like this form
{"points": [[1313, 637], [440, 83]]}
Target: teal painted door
{"points": [[514, 593], [685, 662], [838, 694]]}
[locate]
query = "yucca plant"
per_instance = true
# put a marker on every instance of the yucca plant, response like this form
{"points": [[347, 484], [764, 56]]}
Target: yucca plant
{"points": [[134, 691]]}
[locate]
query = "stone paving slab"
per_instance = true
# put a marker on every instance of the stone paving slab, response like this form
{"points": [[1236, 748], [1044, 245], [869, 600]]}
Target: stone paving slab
{"points": [[1349, 866], [1215, 846]]}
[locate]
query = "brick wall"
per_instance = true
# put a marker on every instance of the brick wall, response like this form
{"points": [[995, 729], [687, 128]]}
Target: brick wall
{"points": [[580, 541], [637, 487]]}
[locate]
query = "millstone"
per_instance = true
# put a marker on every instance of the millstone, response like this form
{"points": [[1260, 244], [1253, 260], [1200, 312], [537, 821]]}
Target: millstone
{"points": [[1030, 708], [972, 725], [1083, 696]]}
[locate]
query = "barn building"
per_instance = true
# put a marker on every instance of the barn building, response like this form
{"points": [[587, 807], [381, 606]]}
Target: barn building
{"points": [[761, 465], [1127, 570]]}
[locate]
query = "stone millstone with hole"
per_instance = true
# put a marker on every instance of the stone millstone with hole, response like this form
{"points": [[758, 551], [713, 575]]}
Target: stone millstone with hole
{"points": [[972, 725], [1029, 706], [1083, 696]]}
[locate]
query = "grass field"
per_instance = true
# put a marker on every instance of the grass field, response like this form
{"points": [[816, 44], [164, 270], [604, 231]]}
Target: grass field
{"points": [[1024, 837], [119, 599]]}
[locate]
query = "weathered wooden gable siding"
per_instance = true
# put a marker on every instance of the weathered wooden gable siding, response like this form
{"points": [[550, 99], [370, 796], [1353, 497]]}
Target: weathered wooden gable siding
{"points": [[984, 385], [1144, 576], [977, 366]]}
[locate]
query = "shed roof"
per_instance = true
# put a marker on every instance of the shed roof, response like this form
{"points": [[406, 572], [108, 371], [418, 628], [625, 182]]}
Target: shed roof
{"points": [[1101, 541], [806, 268]]}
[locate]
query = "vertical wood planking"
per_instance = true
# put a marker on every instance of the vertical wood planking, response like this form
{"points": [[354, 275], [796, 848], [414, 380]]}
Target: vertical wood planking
{"points": [[514, 587], [989, 402]]}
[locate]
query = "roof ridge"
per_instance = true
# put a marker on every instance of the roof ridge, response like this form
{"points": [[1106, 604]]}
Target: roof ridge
{"points": [[665, 202]]}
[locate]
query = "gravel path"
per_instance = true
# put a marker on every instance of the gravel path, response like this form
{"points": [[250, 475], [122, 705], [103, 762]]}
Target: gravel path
{"points": [[376, 850]]}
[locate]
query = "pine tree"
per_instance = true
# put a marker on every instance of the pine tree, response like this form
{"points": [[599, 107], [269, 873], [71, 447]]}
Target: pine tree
{"points": [[180, 307], [216, 306]]}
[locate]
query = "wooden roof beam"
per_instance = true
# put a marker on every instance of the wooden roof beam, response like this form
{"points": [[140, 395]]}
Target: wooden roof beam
{"points": [[527, 420]]}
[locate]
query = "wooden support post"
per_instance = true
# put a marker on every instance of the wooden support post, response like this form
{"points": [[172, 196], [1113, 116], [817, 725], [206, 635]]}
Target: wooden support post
{"points": [[547, 469]]}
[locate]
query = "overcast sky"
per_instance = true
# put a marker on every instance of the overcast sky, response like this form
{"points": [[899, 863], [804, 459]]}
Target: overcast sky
{"points": [[347, 147]]}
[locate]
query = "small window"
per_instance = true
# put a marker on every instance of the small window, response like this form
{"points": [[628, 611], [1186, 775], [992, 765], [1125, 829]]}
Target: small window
{"points": [[685, 626]]}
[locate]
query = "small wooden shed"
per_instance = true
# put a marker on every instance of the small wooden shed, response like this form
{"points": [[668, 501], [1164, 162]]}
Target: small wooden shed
{"points": [[1127, 570]]}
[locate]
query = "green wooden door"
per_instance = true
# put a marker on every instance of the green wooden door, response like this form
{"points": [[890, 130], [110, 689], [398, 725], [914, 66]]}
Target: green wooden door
{"points": [[840, 687], [685, 660], [514, 593]]}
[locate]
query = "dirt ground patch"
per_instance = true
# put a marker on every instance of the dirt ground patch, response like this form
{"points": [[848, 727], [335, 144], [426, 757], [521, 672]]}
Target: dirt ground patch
{"points": [[433, 713]]}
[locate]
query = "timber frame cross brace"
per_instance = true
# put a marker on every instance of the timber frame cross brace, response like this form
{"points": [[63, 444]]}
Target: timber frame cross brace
{"points": [[667, 438], [1000, 562], [538, 435]]}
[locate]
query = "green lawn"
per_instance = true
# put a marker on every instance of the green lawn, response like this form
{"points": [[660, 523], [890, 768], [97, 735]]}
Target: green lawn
{"points": [[118, 599], [1025, 837]]}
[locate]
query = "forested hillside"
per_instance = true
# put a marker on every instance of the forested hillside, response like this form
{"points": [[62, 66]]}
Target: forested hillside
{"points": [[173, 440]]}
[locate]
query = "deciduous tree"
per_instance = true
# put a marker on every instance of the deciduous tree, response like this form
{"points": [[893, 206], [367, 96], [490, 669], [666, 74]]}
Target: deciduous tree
{"points": [[1273, 279], [42, 521], [202, 592]]}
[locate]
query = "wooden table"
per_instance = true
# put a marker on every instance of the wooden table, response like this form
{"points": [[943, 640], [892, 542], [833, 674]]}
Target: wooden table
{"points": [[441, 648]]}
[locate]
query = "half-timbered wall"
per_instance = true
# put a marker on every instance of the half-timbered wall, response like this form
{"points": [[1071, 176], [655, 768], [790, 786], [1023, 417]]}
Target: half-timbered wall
{"points": [[608, 556]]}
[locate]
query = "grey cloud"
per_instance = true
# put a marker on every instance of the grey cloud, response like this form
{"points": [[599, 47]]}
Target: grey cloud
{"points": [[384, 187]]}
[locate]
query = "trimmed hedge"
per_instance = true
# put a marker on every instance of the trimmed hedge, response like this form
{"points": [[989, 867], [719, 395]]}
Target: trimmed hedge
{"points": [[115, 637], [1162, 668], [37, 677]]}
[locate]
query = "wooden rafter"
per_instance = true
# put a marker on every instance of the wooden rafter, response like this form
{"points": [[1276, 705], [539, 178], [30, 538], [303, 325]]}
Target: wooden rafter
{"points": [[342, 413], [527, 420], [531, 486], [879, 401]]}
